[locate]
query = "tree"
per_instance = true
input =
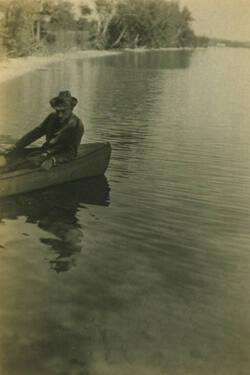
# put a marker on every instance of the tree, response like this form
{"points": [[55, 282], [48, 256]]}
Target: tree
{"points": [[20, 17], [106, 10], [135, 23], [62, 15], [112, 24]]}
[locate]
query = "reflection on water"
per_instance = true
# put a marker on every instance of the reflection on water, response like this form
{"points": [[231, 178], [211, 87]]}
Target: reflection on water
{"points": [[54, 210], [152, 59], [157, 273]]}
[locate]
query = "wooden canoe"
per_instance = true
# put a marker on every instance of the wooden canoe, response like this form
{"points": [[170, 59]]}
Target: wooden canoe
{"points": [[92, 160]]}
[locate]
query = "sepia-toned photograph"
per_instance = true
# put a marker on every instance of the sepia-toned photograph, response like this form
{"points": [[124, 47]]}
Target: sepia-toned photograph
{"points": [[124, 187]]}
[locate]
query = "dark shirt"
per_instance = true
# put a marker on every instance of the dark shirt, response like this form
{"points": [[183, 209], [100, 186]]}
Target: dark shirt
{"points": [[60, 137]]}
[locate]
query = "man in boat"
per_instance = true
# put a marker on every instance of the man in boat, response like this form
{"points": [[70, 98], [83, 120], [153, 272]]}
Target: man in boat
{"points": [[63, 131]]}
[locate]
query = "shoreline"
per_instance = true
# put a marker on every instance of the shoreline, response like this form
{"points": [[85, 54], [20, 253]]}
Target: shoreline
{"points": [[11, 68], [15, 67]]}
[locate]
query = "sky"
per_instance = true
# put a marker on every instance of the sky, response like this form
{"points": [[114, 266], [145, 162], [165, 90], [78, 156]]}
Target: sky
{"points": [[229, 19]]}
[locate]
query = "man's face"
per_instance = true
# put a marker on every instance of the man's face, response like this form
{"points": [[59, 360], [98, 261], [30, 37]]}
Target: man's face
{"points": [[63, 113]]}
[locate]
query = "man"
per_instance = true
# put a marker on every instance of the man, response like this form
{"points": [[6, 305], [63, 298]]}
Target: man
{"points": [[63, 131]]}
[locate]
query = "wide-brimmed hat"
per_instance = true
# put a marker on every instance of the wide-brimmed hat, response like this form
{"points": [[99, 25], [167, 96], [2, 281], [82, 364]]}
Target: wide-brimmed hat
{"points": [[63, 99]]}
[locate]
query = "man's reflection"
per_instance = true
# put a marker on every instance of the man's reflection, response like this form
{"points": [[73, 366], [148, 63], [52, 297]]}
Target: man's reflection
{"points": [[55, 211]]}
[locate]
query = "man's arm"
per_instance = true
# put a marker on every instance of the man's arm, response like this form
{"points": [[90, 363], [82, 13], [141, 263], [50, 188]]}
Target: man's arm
{"points": [[33, 135], [68, 139]]}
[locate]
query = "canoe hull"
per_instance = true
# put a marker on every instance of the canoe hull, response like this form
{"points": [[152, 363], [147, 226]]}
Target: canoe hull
{"points": [[92, 160]]}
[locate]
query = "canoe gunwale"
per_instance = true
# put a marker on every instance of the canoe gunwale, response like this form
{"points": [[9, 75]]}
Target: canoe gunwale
{"points": [[25, 172]]}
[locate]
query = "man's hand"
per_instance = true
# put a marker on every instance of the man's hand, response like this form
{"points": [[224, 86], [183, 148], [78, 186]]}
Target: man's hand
{"points": [[48, 163], [45, 155]]}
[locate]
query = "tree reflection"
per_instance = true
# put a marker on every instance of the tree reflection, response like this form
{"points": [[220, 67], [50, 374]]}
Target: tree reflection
{"points": [[55, 210], [152, 59]]}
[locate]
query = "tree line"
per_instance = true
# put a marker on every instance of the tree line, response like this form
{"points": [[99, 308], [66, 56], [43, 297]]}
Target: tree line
{"points": [[29, 26]]}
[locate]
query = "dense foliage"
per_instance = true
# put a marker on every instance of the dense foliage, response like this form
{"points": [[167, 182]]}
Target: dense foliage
{"points": [[139, 23], [19, 38], [31, 25]]}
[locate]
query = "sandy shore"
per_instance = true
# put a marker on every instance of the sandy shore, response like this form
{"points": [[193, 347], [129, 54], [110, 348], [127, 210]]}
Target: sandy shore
{"points": [[15, 67]]}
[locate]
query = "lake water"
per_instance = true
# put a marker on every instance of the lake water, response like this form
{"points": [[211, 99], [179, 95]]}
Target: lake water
{"points": [[144, 271]]}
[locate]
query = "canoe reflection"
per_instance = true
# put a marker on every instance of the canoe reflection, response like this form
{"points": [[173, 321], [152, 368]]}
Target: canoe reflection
{"points": [[55, 211]]}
